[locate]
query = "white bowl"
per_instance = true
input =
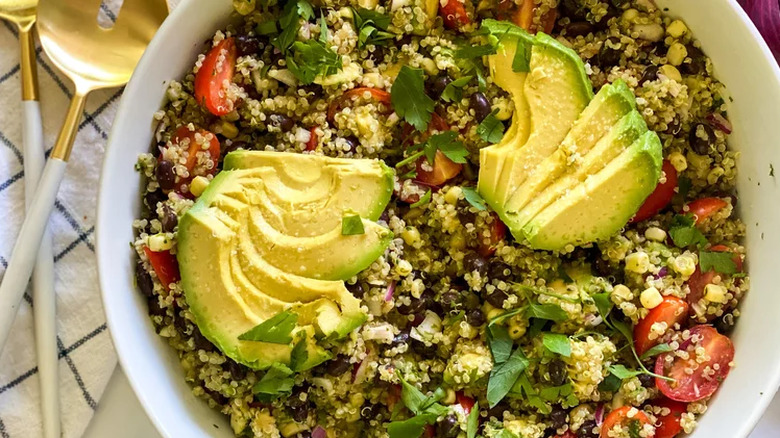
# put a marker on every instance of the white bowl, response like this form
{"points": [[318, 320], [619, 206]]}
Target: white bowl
{"points": [[743, 62]]}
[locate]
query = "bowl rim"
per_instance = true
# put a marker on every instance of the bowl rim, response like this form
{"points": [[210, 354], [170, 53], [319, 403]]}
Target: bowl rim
{"points": [[104, 216]]}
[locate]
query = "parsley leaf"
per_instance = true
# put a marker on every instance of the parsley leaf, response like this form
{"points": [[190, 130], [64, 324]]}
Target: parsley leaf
{"points": [[419, 403], [491, 129], [684, 233], [424, 199], [275, 330], [500, 343], [289, 22], [411, 428], [473, 197], [557, 343], [472, 421], [372, 27], [611, 383], [276, 381], [409, 99], [621, 372], [503, 376], [310, 59], [521, 63], [721, 262], [453, 92], [445, 143], [655, 351], [553, 312], [352, 225]]}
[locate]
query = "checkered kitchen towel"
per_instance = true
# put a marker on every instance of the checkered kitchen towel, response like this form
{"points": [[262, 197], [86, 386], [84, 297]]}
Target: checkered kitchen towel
{"points": [[87, 357]]}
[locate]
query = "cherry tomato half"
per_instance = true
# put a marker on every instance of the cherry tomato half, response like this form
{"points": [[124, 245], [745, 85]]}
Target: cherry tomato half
{"points": [[313, 139], [671, 310], [522, 14], [497, 234], [695, 381], [699, 280], [454, 14], [442, 169], [464, 401], [705, 207], [568, 434], [377, 94], [217, 69], [669, 425], [165, 266], [620, 416], [661, 196], [191, 140]]}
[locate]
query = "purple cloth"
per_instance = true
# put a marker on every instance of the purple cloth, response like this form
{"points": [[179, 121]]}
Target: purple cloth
{"points": [[766, 15]]}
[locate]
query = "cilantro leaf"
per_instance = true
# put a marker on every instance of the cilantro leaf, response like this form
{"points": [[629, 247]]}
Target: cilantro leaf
{"points": [[655, 351], [365, 16], [266, 28], [557, 343], [275, 330], [721, 262], [684, 185], [276, 381], [474, 198], [500, 343], [309, 59], [684, 233], [468, 52], [553, 393], [603, 304], [299, 354], [289, 22], [352, 225], [453, 92], [621, 372], [491, 129], [611, 383], [323, 29], [419, 403], [506, 433], [472, 421], [411, 428], [503, 376], [424, 199], [553, 312], [445, 143], [521, 63], [409, 99]]}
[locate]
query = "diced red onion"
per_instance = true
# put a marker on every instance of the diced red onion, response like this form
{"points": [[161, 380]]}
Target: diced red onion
{"points": [[599, 415], [766, 15], [719, 122], [319, 432], [390, 291], [663, 272]]}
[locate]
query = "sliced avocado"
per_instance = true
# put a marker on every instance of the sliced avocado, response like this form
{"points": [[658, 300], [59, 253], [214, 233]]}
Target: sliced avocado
{"points": [[602, 204], [609, 106], [557, 90], [622, 135]]}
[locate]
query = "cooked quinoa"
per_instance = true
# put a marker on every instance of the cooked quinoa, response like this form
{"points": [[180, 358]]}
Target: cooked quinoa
{"points": [[452, 272]]}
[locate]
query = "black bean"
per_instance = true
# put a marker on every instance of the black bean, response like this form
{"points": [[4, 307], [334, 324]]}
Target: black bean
{"points": [[476, 317], [201, 343], [449, 427], [247, 45], [236, 370], [646, 380], [417, 305], [299, 409], [496, 270], [602, 266], [154, 307], [304, 434], [378, 55], [144, 280], [475, 262], [697, 63], [498, 410], [497, 298], [701, 145], [557, 371], [572, 9], [450, 300], [466, 217], [339, 366], [165, 175], [217, 397], [427, 351], [154, 198], [609, 56], [234, 146], [587, 430], [353, 143], [284, 123], [577, 28], [400, 339], [725, 324], [356, 289], [169, 219], [650, 73], [558, 417], [481, 106], [439, 84]]}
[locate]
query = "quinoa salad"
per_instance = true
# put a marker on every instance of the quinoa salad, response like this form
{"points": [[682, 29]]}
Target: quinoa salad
{"points": [[413, 218]]}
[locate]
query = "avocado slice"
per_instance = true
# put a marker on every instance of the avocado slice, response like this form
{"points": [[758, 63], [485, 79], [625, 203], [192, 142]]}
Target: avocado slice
{"points": [[601, 115], [603, 203], [557, 90], [247, 252], [622, 135]]}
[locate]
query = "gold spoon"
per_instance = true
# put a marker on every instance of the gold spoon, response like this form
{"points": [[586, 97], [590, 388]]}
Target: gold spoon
{"points": [[93, 58], [23, 13]]}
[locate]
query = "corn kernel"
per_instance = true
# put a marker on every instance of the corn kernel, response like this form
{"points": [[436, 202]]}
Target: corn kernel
{"points": [[244, 7], [159, 242], [452, 195], [292, 429], [638, 262], [229, 130], [676, 54], [429, 66], [505, 109], [516, 330], [622, 292], [457, 241], [650, 298], [676, 29], [715, 293], [198, 185], [656, 234], [684, 264], [449, 397], [410, 235], [670, 72], [678, 161], [630, 15]]}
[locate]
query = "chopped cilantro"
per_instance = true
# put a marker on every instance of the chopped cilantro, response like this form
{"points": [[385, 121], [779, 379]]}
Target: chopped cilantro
{"points": [[721, 262], [409, 99], [622, 373], [469, 51], [603, 304], [500, 343], [411, 428], [372, 27], [557, 343], [553, 312], [505, 433], [276, 381], [266, 28], [445, 143], [656, 350], [300, 353], [684, 233], [473, 197], [634, 427], [424, 199], [323, 29], [491, 129], [453, 92], [504, 375], [289, 22], [521, 63], [611, 383], [309, 59], [472, 421], [554, 393], [275, 330], [351, 225], [684, 185]]}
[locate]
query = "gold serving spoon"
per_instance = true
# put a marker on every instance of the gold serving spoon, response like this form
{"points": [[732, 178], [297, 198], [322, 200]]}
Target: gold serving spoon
{"points": [[93, 58]]}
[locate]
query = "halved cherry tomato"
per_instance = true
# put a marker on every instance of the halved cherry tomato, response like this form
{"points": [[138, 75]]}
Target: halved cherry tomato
{"points": [[377, 94], [313, 139], [568, 434], [661, 196], [189, 139], [165, 266], [705, 207], [442, 170], [430, 431], [620, 417], [454, 14], [699, 280], [669, 425], [523, 15], [217, 68], [695, 381], [464, 401], [497, 234], [671, 310]]}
